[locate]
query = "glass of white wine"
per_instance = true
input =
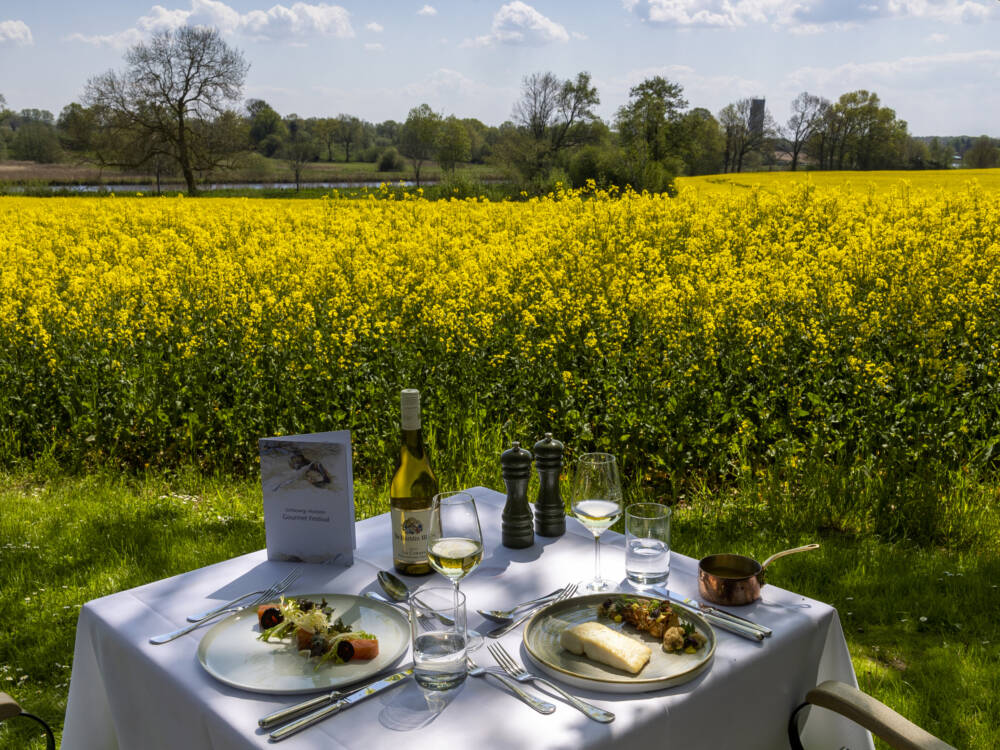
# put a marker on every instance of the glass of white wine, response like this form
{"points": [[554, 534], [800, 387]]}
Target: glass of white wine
{"points": [[455, 542], [597, 503]]}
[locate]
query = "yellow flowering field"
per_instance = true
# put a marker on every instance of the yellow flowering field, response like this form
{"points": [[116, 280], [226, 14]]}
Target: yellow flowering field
{"points": [[885, 181], [710, 334]]}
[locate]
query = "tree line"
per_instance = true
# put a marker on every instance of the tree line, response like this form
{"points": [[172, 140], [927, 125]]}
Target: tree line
{"points": [[176, 109]]}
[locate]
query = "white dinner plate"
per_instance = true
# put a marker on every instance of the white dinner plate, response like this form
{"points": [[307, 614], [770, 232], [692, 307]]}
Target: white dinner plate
{"points": [[231, 653], [541, 640]]}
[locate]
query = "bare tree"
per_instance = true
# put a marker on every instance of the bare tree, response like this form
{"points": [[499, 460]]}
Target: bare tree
{"points": [[552, 115], [805, 122], [172, 98], [538, 103]]}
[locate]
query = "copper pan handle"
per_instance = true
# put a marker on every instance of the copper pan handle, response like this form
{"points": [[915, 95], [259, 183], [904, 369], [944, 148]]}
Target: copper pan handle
{"points": [[776, 555]]}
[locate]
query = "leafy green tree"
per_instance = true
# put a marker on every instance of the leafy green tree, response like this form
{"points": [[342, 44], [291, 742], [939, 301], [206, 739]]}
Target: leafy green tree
{"points": [[324, 129], [939, 154], [77, 126], [453, 143], [418, 139], [858, 133], [984, 154], [173, 96], [267, 129], [702, 144], [653, 110], [349, 133], [37, 115], [36, 141]]}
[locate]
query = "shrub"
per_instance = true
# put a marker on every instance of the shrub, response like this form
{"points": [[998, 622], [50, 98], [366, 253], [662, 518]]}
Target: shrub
{"points": [[391, 161]]}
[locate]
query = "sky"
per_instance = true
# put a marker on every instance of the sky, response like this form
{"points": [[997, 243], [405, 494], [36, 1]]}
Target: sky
{"points": [[935, 62]]}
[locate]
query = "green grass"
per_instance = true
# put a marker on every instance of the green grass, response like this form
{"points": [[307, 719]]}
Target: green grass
{"points": [[921, 622]]}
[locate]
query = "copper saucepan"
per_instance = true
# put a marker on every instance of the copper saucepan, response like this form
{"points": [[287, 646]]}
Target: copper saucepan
{"points": [[733, 580]]}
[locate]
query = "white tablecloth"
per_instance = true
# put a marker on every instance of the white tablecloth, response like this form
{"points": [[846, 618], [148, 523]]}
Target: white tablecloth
{"points": [[128, 694]]}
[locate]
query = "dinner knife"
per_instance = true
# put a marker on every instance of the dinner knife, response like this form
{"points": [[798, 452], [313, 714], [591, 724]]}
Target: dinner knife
{"points": [[723, 623], [706, 609], [285, 715], [355, 697]]}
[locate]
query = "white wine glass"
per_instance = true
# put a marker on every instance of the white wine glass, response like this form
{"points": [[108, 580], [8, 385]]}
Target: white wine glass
{"points": [[455, 542], [597, 503]]}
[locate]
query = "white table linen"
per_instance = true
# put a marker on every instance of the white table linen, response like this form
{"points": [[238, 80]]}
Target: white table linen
{"points": [[128, 694]]}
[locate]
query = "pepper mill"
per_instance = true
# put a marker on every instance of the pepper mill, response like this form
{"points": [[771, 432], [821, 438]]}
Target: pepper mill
{"points": [[550, 514], [516, 468]]}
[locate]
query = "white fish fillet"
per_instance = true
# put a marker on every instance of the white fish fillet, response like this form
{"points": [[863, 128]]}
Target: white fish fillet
{"points": [[607, 646]]}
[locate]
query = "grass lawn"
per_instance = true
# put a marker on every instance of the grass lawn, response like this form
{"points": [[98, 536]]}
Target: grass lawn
{"points": [[921, 622]]}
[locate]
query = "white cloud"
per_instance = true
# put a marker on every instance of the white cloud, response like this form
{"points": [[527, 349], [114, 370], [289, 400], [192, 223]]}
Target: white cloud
{"points": [[15, 32], [520, 24], [937, 38], [427, 10], [375, 27], [277, 23], [804, 16], [374, 47], [870, 75]]}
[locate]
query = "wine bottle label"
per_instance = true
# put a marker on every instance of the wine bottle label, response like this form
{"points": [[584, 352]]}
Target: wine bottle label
{"points": [[409, 534]]}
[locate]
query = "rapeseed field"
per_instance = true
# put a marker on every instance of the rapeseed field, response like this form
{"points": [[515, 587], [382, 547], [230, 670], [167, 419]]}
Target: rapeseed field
{"points": [[715, 335]]}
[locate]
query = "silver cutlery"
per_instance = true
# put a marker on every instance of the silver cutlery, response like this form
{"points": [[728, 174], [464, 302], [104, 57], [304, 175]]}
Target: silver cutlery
{"points": [[355, 697], [504, 629], [707, 609], [399, 592], [503, 615], [293, 712], [216, 610], [722, 623], [519, 673], [543, 707], [267, 596]]}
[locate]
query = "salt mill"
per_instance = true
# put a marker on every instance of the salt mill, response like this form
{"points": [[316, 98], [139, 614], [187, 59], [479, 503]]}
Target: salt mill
{"points": [[516, 468], [550, 515]]}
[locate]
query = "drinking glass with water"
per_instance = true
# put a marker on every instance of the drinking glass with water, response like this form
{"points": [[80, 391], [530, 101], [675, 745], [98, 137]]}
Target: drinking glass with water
{"points": [[437, 629], [647, 544]]}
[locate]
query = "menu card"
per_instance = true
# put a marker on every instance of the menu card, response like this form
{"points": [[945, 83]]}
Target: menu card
{"points": [[308, 491]]}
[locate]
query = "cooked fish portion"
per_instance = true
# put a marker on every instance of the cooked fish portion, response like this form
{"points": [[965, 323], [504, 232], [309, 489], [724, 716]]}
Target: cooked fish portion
{"points": [[607, 646]]}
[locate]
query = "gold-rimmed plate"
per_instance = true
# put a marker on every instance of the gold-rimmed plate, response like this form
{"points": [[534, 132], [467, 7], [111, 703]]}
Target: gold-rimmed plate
{"points": [[231, 653], [664, 670]]}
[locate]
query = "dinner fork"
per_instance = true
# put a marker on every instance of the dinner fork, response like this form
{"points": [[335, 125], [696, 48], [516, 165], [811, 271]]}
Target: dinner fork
{"points": [[519, 673], [504, 629], [543, 707], [267, 596]]}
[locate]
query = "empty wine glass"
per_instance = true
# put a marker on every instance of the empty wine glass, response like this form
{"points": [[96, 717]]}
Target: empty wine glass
{"points": [[455, 542], [597, 503]]}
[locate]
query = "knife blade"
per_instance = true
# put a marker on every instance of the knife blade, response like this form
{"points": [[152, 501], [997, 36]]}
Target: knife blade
{"points": [[706, 609], [721, 622], [344, 703], [284, 715]]}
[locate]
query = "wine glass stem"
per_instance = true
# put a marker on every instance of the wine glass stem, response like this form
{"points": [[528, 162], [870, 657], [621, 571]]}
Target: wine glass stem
{"points": [[597, 558]]}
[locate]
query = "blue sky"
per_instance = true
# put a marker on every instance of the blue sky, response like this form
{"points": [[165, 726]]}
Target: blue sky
{"points": [[935, 62]]}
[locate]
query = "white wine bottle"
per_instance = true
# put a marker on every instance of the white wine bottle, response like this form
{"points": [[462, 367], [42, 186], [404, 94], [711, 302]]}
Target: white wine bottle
{"points": [[410, 494]]}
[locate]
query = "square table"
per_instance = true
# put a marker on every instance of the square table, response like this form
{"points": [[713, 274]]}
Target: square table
{"points": [[126, 693]]}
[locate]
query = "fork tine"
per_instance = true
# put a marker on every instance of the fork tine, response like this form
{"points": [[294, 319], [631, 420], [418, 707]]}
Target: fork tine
{"points": [[502, 658], [278, 587]]}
